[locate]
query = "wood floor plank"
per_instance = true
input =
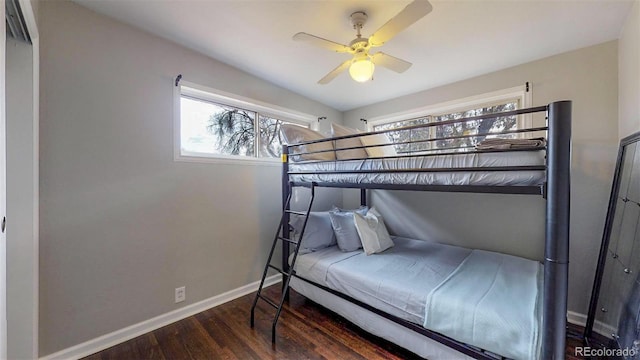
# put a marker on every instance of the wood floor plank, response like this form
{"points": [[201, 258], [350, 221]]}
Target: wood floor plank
{"points": [[258, 339], [292, 333], [119, 351], [343, 331], [323, 343], [146, 347], [307, 325], [218, 329], [305, 331], [96, 356], [183, 340]]}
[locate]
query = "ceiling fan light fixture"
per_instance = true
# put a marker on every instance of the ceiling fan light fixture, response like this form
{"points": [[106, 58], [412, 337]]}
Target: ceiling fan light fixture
{"points": [[361, 69]]}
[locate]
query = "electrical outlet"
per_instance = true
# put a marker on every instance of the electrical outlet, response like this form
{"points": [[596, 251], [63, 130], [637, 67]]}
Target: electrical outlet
{"points": [[181, 294]]}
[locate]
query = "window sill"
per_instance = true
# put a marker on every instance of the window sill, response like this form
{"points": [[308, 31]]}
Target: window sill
{"points": [[226, 160]]}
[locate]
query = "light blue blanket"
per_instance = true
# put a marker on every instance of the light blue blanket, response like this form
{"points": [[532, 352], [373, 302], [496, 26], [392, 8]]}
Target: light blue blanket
{"points": [[491, 301], [398, 280]]}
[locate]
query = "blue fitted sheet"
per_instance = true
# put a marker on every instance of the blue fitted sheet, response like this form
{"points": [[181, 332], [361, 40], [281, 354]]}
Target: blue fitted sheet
{"points": [[396, 281]]}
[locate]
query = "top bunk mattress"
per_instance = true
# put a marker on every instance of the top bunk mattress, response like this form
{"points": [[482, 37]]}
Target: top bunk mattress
{"points": [[449, 161]]}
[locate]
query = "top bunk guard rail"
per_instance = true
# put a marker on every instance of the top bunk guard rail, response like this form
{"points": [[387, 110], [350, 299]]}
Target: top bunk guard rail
{"points": [[506, 132], [428, 125]]}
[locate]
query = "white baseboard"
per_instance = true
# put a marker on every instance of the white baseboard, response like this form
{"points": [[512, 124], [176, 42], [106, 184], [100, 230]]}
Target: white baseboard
{"points": [[130, 332], [576, 318], [598, 326]]}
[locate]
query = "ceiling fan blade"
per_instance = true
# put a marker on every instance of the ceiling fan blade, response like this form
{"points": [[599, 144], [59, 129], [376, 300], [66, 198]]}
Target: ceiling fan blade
{"points": [[390, 62], [409, 15], [335, 72], [320, 42]]}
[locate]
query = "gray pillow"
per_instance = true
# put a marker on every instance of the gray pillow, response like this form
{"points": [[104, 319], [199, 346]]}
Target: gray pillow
{"points": [[345, 228], [318, 234]]}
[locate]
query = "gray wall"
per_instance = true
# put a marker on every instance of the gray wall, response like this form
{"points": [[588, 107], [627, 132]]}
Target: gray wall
{"points": [[587, 76], [34, 5], [21, 208], [122, 223], [629, 76]]}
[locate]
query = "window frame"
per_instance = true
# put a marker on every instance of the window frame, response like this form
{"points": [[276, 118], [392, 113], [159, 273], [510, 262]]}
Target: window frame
{"points": [[520, 93], [219, 97]]}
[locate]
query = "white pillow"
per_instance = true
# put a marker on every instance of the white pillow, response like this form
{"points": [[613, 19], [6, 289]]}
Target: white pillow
{"points": [[294, 134], [373, 233], [379, 151], [339, 130]]}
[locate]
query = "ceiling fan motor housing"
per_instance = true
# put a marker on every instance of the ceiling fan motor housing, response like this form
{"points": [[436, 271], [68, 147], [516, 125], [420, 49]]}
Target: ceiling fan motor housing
{"points": [[358, 19], [359, 44]]}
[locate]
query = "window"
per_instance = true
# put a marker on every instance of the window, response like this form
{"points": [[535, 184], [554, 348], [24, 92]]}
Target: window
{"points": [[223, 127], [474, 127], [506, 100], [407, 136]]}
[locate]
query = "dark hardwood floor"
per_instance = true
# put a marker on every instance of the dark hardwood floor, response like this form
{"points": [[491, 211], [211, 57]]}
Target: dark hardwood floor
{"points": [[305, 331]]}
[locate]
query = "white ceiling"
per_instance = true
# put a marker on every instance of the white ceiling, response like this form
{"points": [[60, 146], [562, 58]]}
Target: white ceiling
{"points": [[458, 40]]}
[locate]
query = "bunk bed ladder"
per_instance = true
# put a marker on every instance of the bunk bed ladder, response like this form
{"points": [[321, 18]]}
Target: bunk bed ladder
{"points": [[282, 234]]}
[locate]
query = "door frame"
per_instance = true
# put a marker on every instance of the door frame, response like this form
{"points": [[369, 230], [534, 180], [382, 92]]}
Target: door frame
{"points": [[32, 28], [3, 196]]}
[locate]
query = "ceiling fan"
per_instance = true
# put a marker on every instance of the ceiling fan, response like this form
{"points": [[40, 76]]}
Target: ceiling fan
{"points": [[362, 65]]}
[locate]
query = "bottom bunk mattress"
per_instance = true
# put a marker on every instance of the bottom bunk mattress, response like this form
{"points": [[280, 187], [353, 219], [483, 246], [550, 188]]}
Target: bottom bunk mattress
{"points": [[378, 325], [481, 298]]}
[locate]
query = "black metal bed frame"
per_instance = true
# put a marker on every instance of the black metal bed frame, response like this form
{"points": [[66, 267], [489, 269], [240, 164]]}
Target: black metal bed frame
{"points": [[556, 191]]}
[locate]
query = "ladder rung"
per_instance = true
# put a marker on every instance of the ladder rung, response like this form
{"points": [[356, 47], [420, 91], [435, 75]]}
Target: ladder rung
{"points": [[268, 301], [278, 269], [309, 185], [288, 240], [301, 213]]}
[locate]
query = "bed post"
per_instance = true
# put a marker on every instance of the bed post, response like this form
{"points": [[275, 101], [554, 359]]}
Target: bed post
{"points": [[363, 197], [286, 188], [556, 252]]}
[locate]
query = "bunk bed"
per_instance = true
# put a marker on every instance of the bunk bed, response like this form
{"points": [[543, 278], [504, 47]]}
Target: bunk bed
{"points": [[343, 281]]}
